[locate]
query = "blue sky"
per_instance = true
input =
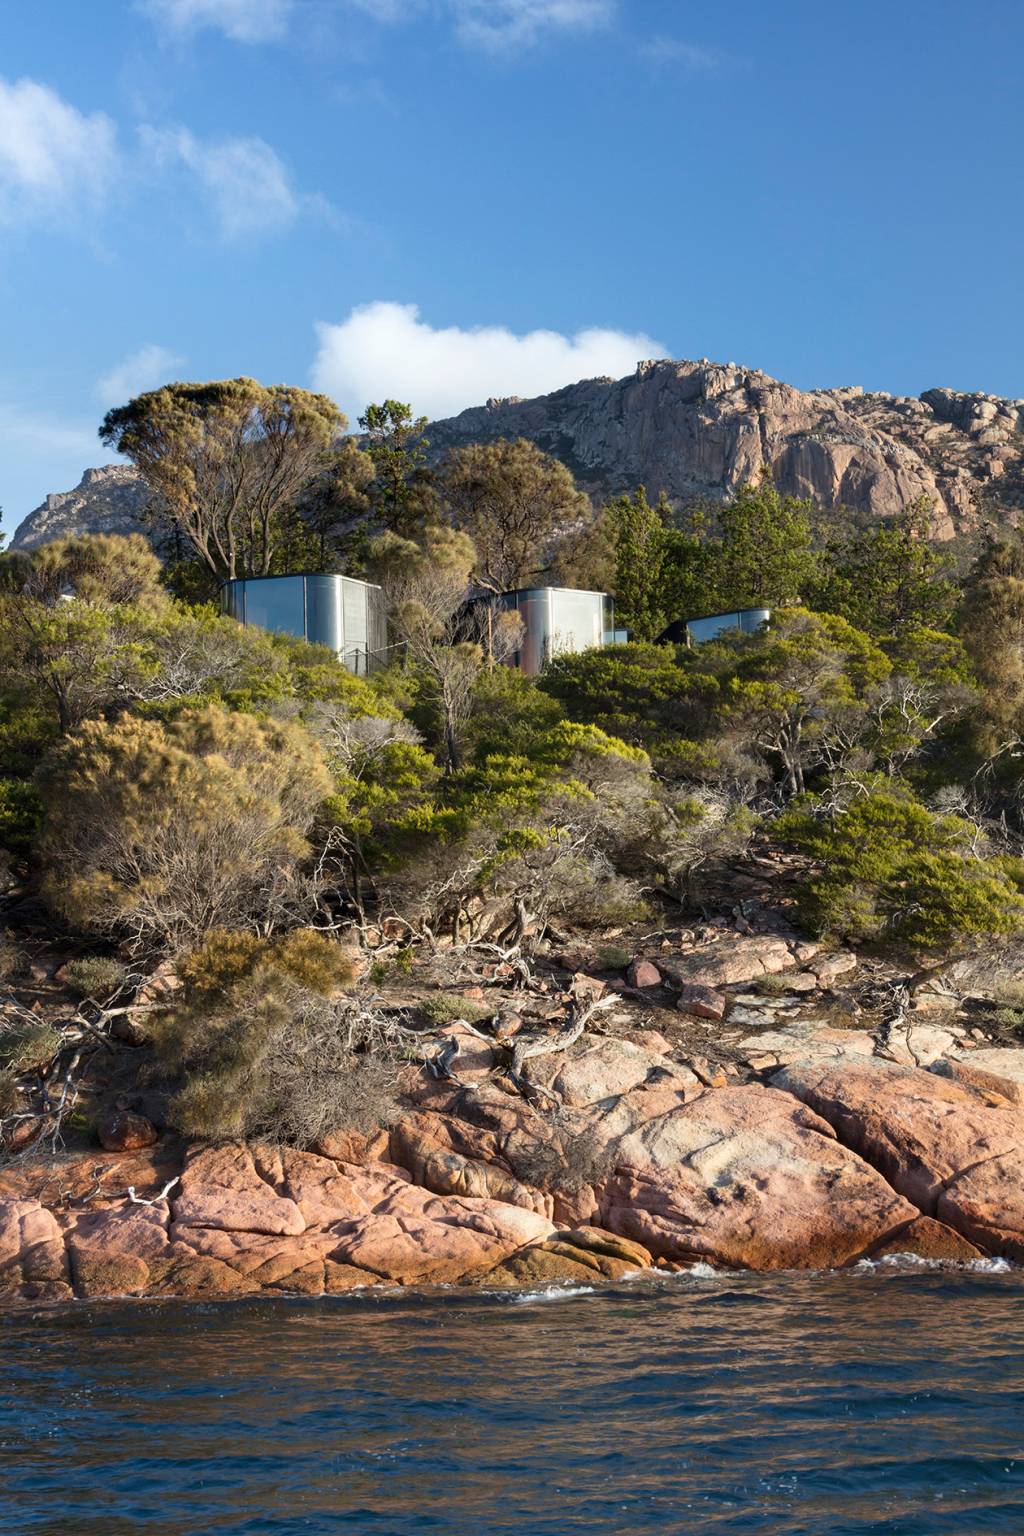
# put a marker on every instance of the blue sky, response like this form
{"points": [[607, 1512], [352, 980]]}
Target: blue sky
{"points": [[396, 196]]}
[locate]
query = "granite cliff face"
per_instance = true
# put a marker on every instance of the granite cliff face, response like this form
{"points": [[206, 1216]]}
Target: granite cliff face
{"points": [[699, 430], [106, 500]]}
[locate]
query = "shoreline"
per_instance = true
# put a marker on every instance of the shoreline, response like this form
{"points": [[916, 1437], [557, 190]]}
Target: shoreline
{"points": [[829, 1163]]}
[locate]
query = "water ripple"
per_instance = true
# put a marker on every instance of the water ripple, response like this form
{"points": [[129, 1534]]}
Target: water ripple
{"points": [[876, 1401]]}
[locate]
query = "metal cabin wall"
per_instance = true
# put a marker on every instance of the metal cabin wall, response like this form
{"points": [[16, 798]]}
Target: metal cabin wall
{"points": [[346, 615], [555, 620]]}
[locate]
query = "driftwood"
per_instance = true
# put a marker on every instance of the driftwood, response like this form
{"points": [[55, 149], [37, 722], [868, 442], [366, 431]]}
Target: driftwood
{"points": [[526, 1045], [523, 1047]]}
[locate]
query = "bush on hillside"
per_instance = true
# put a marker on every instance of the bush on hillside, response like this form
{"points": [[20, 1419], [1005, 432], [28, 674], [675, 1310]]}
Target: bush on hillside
{"points": [[160, 832], [260, 1045], [95, 976], [890, 869]]}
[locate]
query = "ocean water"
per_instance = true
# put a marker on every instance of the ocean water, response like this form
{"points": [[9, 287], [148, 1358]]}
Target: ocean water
{"points": [[877, 1400]]}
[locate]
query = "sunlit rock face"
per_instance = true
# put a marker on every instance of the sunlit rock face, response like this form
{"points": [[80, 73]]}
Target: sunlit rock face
{"points": [[106, 500], [700, 430]]}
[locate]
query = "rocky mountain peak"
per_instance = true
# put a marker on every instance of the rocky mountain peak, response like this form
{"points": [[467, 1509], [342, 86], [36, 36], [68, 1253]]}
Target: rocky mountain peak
{"points": [[698, 430], [109, 499]]}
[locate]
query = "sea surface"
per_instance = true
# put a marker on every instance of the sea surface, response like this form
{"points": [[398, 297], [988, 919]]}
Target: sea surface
{"points": [[877, 1400]]}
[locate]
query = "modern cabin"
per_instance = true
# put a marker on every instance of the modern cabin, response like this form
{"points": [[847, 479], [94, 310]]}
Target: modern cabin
{"points": [[698, 631], [557, 620], [340, 612]]}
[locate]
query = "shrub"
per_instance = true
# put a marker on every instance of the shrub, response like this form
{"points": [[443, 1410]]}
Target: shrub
{"points": [[446, 1007], [258, 1049], [20, 814], [227, 957], [891, 869], [570, 1161], [772, 986], [1009, 1018], [26, 1046], [611, 957], [160, 831], [95, 976]]}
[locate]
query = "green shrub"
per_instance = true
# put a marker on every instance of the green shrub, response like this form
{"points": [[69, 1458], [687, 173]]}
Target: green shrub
{"points": [[228, 956], [21, 811], [95, 976], [612, 957], [772, 986], [1011, 994], [267, 1057], [160, 832], [1009, 1018], [889, 869], [26, 1046], [446, 1007]]}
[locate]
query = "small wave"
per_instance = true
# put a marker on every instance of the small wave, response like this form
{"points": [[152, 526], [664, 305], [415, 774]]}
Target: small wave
{"points": [[553, 1293], [917, 1261], [698, 1271]]}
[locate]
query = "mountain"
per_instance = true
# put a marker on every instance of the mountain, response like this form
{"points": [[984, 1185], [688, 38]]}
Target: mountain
{"points": [[698, 430], [106, 500]]}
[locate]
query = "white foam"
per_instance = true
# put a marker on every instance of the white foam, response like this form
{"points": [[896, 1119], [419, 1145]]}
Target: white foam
{"points": [[916, 1261], [553, 1293]]}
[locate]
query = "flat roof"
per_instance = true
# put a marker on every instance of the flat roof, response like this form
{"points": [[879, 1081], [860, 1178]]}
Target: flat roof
{"points": [[229, 581]]}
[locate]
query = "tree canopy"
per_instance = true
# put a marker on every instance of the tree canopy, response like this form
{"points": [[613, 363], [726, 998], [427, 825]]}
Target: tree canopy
{"points": [[227, 463]]}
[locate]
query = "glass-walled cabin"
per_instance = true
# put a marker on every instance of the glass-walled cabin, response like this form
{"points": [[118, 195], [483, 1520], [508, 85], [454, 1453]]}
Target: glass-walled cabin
{"points": [[340, 612], [556, 620], [749, 621]]}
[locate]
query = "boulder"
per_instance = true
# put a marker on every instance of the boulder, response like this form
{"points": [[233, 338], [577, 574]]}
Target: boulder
{"points": [[1004, 1062], [222, 1187], [990, 1086], [806, 1041], [123, 1131], [33, 1265], [918, 1045], [928, 1239], [611, 1067], [579, 1256], [702, 1002], [745, 1177], [732, 961], [828, 967], [643, 973], [414, 1237], [951, 1150]]}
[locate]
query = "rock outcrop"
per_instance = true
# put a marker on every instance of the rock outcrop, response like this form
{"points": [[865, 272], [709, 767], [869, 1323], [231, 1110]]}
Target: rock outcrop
{"points": [[955, 1149], [699, 430], [110, 499], [837, 1159]]}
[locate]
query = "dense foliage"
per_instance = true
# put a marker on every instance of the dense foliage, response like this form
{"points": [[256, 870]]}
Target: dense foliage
{"points": [[168, 773]]}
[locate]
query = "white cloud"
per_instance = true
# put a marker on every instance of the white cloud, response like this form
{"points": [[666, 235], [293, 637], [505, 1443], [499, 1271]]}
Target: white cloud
{"points": [[245, 182], [692, 56], [244, 21], [501, 26], [53, 158], [385, 349], [498, 26], [145, 369]]}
